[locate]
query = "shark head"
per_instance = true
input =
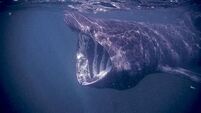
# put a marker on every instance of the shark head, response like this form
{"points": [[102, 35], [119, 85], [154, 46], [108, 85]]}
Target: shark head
{"points": [[93, 62], [104, 57]]}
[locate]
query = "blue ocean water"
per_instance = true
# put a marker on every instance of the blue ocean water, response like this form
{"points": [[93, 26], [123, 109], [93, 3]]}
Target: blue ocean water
{"points": [[38, 70]]}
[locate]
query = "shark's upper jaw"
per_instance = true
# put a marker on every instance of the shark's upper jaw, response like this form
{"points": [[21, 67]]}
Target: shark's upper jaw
{"points": [[93, 61]]}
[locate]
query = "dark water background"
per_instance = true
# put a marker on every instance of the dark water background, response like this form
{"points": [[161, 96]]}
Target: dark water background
{"points": [[37, 69]]}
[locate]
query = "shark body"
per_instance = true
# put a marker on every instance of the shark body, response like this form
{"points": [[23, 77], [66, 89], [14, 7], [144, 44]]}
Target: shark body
{"points": [[112, 52]]}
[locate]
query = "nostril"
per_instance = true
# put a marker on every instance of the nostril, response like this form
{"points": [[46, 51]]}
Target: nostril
{"points": [[93, 61]]}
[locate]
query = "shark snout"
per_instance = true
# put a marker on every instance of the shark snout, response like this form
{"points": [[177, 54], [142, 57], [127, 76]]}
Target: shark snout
{"points": [[71, 20], [77, 21]]}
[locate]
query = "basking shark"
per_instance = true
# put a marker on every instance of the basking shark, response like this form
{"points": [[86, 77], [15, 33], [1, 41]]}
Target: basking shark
{"points": [[118, 54]]}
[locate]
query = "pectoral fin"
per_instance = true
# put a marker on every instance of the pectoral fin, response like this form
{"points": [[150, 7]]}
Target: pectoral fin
{"points": [[196, 77]]}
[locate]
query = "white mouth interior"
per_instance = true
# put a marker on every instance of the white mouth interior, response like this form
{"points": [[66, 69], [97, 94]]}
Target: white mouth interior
{"points": [[93, 61]]}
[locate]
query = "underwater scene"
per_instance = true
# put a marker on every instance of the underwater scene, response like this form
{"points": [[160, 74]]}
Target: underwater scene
{"points": [[100, 56]]}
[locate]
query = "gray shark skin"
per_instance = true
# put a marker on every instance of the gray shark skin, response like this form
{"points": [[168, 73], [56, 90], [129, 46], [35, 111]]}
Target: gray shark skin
{"points": [[118, 54]]}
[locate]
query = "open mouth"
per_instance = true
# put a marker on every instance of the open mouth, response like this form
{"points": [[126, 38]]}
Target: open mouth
{"points": [[93, 61]]}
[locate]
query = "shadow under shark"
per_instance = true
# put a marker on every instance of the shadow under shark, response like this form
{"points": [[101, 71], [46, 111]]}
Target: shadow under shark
{"points": [[118, 54]]}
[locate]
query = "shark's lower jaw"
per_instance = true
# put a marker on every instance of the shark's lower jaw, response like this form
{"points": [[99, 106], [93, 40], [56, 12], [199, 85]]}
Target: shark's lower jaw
{"points": [[93, 61]]}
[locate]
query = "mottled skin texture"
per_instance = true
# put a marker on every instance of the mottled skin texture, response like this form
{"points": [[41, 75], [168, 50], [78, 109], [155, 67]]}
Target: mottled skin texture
{"points": [[137, 49]]}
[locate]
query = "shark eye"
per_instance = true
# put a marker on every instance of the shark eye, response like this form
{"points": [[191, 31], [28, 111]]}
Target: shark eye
{"points": [[93, 61]]}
